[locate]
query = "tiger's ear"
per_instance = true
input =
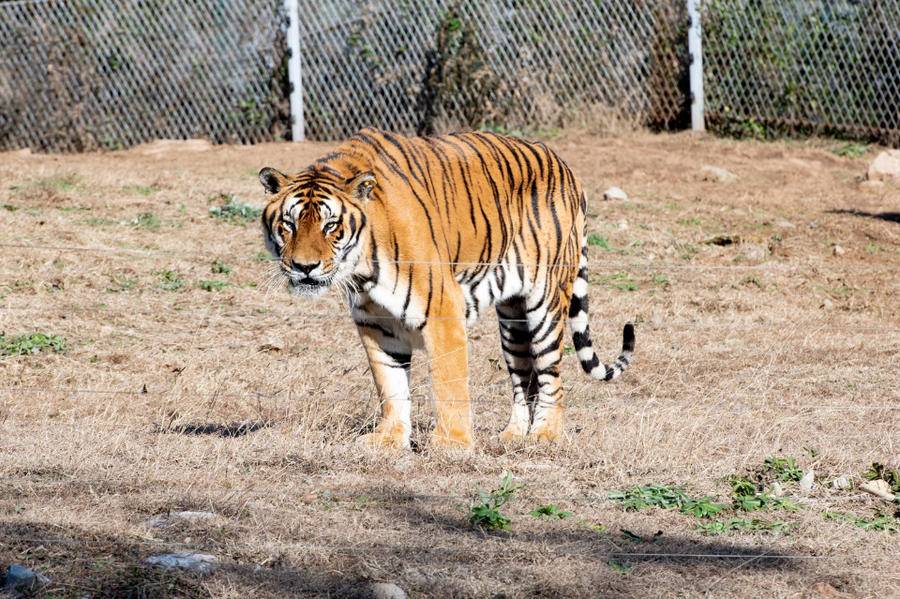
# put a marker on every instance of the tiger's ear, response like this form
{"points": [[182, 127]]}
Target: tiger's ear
{"points": [[361, 185], [272, 179]]}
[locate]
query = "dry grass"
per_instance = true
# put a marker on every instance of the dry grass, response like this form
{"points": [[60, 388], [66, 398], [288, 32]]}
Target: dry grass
{"points": [[246, 402]]}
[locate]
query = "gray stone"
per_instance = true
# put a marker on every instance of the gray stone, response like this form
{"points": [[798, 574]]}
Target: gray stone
{"points": [[615, 193], [838, 250], [195, 562], [806, 482], [885, 167], [842, 482], [20, 579], [386, 590], [717, 174], [754, 252]]}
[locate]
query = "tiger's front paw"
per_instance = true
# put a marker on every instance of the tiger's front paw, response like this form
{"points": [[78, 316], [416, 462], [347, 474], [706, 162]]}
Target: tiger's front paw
{"points": [[453, 440], [512, 433], [545, 435], [389, 437], [550, 431]]}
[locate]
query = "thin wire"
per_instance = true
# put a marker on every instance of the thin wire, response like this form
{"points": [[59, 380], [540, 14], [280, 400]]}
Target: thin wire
{"points": [[623, 266], [258, 395], [77, 311]]}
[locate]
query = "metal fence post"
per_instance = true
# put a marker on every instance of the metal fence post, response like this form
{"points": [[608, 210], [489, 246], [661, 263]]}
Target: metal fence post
{"points": [[294, 75], [695, 49]]}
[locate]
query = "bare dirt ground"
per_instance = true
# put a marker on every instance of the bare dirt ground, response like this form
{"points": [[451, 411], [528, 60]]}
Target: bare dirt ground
{"points": [[184, 387]]}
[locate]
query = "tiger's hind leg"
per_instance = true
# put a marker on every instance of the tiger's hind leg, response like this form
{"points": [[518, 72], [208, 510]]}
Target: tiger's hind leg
{"points": [[515, 339], [546, 324], [389, 359]]}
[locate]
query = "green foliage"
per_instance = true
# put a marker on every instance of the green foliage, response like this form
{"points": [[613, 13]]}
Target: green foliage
{"points": [[661, 280], [702, 508], [595, 240], [95, 221], [747, 498], [23, 345], [620, 281], [234, 211], [878, 522], [212, 285], [170, 280], [619, 567], [142, 190], [9, 207], [147, 220], [457, 78], [686, 251], [220, 268], [851, 150], [719, 527], [784, 469], [121, 283], [890, 475], [485, 509], [638, 498], [666, 497], [549, 511], [690, 222]]}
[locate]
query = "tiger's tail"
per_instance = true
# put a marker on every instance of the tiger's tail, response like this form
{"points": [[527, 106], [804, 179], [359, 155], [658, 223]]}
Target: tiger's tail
{"points": [[581, 331]]}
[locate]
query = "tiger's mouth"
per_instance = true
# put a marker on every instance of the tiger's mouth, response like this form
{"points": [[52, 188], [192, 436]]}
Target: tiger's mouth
{"points": [[308, 286]]}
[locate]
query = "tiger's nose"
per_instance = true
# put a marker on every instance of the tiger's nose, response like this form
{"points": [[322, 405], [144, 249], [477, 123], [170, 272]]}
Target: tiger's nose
{"points": [[305, 268]]}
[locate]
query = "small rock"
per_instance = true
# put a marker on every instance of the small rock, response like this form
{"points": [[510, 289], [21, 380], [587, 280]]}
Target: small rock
{"points": [[20, 579], [827, 304], [623, 225], [717, 174], [885, 167], [754, 252], [879, 488], [777, 489], [784, 224], [386, 590], [614, 193], [806, 482], [841, 482], [838, 250], [164, 520], [195, 562]]}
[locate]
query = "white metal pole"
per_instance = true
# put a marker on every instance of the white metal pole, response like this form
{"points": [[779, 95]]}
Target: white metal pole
{"points": [[695, 49], [294, 75]]}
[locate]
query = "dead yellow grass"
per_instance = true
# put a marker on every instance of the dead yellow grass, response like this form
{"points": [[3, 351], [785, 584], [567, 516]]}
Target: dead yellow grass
{"points": [[246, 402]]}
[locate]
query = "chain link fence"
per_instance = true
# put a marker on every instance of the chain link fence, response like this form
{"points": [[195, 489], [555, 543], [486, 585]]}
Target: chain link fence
{"points": [[803, 66], [85, 74], [434, 65], [79, 75]]}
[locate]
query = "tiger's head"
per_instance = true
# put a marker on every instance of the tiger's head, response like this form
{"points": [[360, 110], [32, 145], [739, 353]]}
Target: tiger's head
{"points": [[313, 225]]}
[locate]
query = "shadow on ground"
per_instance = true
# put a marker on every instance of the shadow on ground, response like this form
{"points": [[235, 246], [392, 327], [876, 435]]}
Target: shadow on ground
{"points": [[428, 548], [231, 429], [83, 563], [891, 217]]}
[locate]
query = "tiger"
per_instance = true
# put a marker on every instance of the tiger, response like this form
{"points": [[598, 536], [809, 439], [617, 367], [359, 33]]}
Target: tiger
{"points": [[426, 233]]}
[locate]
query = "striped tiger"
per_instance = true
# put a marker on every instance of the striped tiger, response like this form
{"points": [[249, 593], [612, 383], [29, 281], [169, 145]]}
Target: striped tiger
{"points": [[425, 233]]}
